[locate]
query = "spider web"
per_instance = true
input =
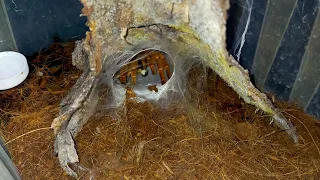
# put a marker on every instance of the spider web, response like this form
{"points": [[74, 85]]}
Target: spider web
{"points": [[243, 26]]}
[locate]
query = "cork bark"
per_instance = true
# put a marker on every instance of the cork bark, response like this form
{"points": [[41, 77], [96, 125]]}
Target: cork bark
{"points": [[190, 27]]}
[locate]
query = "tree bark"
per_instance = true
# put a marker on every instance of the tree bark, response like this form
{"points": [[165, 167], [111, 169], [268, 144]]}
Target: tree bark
{"points": [[120, 28]]}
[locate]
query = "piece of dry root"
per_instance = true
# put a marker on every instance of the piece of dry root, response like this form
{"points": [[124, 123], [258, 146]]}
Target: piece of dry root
{"points": [[75, 111]]}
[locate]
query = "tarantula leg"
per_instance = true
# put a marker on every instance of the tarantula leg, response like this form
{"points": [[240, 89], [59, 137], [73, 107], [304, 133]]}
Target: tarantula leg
{"points": [[151, 63], [160, 69], [130, 93], [165, 65], [123, 74], [144, 64], [133, 70]]}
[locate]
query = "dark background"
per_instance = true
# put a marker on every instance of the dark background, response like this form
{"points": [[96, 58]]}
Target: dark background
{"points": [[37, 23]]}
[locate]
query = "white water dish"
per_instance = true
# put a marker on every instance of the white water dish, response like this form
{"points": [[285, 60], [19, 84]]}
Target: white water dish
{"points": [[13, 69]]}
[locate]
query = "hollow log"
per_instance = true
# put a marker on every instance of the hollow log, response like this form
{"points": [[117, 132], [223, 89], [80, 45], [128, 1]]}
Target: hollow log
{"points": [[121, 28]]}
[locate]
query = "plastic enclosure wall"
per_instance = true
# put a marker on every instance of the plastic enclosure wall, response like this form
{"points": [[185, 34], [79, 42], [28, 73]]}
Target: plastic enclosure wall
{"points": [[7, 170], [37, 24], [6, 39], [281, 50]]}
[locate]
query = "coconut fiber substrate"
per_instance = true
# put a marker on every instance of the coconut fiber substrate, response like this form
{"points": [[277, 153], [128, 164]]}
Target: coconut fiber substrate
{"points": [[224, 139]]}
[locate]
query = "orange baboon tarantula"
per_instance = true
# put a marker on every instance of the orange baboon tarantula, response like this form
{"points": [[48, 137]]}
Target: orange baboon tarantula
{"points": [[140, 63]]}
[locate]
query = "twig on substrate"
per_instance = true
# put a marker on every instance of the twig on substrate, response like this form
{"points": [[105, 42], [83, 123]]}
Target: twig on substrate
{"points": [[35, 130]]}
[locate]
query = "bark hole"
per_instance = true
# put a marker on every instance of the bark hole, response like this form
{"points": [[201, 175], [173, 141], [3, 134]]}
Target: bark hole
{"points": [[146, 73]]}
